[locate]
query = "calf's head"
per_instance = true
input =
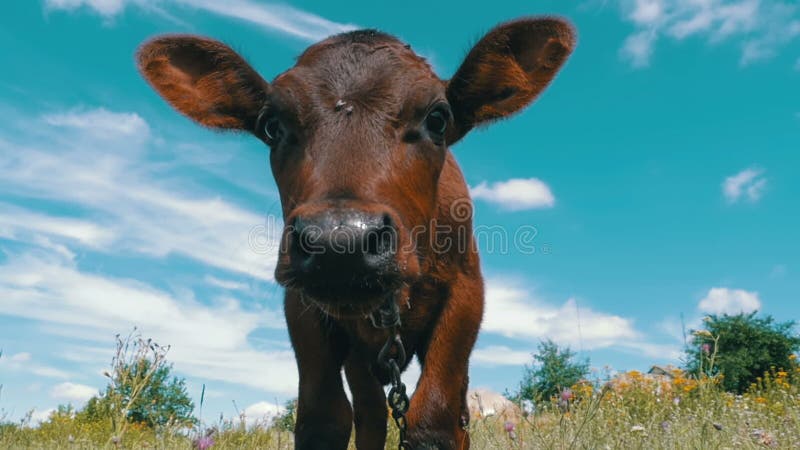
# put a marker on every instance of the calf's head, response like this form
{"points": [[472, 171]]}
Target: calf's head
{"points": [[358, 132]]}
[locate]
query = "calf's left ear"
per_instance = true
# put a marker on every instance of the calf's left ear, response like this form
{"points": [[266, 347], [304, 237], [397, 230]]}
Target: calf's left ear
{"points": [[205, 80], [506, 70]]}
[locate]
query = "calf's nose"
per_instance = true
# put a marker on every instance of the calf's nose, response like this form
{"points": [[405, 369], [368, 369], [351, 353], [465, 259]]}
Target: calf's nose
{"points": [[343, 244]]}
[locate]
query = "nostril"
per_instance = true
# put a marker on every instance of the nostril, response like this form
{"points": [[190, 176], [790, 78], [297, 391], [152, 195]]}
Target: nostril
{"points": [[305, 239], [297, 225], [388, 239], [387, 221], [298, 246], [373, 242], [380, 241]]}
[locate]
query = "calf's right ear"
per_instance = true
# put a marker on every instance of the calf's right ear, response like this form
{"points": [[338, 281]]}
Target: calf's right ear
{"points": [[205, 80], [506, 70]]}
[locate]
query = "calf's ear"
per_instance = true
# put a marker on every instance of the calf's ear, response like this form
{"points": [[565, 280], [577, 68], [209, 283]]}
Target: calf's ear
{"points": [[508, 68], [205, 80]]}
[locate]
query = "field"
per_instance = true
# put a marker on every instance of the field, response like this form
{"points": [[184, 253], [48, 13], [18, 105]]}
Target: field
{"points": [[632, 412]]}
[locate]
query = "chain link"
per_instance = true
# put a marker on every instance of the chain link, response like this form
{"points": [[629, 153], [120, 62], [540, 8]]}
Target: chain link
{"points": [[392, 357], [397, 398]]}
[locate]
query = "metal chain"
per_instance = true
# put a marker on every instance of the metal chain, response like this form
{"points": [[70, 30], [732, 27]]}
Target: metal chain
{"points": [[392, 357]]}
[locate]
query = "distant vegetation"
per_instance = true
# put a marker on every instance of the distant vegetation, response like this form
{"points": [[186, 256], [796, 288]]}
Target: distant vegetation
{"points": [[554, 372], [739, 388], [740, 349]]}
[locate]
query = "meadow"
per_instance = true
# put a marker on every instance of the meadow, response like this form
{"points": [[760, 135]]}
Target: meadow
{"points": [[633, 411]]}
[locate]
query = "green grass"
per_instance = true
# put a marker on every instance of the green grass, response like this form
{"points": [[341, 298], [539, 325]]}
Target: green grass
{"points": [[634, 412]]}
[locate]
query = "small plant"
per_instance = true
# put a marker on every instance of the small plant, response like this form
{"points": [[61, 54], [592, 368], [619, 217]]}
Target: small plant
{"points": [[554, 370], [741, 348], [140, 391], [285, 420]]}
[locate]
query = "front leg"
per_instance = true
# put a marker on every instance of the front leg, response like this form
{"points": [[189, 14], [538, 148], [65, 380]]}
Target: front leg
{"points": [[369, 404], [324, 416], [436, 416]]}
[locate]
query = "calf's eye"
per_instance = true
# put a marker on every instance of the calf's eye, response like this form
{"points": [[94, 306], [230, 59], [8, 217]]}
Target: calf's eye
{"points": [[273, 130], [436, 123]]}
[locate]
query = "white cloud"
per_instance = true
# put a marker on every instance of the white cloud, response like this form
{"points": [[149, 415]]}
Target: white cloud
{"points": [[516, 194], [275, 16], [73, 392], [729, 301], [226, 284], [102, 123], [749, 184], [20, 357], [130, 206], [278, 17], [500, 355], [24, 362], [759, 27], [103, 7], [638, 48], [207, 341], [647, 12], [513, 312], [40, 415], [262, 413], [14, 220]]}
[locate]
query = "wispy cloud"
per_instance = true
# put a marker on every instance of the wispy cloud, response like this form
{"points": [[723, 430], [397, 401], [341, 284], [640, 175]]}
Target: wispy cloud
{"points": [[87, 181], [101, 123], [729, 301], [73, 392], [760, 27], [748, 184], [24, 362], [262, 413], [229, 285], [20, 224], [273, 16], [208, 340], [39, 415], [122, 194], [500, 355], [515, 312], [516, 194], [103, 7]]}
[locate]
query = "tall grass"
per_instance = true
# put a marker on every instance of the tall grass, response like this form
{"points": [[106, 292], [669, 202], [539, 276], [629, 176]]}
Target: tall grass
{"points": [[634, 411]]}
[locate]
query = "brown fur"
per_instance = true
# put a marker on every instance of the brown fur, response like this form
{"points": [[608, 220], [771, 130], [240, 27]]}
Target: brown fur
{"points": [[377, 157]]}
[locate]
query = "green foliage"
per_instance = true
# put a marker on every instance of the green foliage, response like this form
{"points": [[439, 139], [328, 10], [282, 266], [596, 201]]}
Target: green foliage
{"points": [[285, 421], [163, 400], [742, 348], [554, 370], [141, 393], [631, 412]]}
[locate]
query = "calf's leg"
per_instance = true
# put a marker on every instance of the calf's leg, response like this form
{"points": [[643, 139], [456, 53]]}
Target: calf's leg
{"points": [[369, 405], [435, 415], [324, 416]]}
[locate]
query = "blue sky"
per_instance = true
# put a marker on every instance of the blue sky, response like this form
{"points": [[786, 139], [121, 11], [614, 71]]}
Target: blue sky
{"points": [[658, 171]]}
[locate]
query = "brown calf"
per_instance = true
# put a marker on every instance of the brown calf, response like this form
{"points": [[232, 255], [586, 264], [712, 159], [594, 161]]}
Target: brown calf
{"points": [[374, 205]]}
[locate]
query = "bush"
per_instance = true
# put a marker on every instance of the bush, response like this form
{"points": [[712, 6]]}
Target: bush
{"points": [[285, 421], [162, 401], [141, 391], [554, 370], [742, 348]]}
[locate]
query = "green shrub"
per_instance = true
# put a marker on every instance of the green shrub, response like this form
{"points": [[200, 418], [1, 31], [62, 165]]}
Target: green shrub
{"points": [[742, 348], [554, 370]]}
